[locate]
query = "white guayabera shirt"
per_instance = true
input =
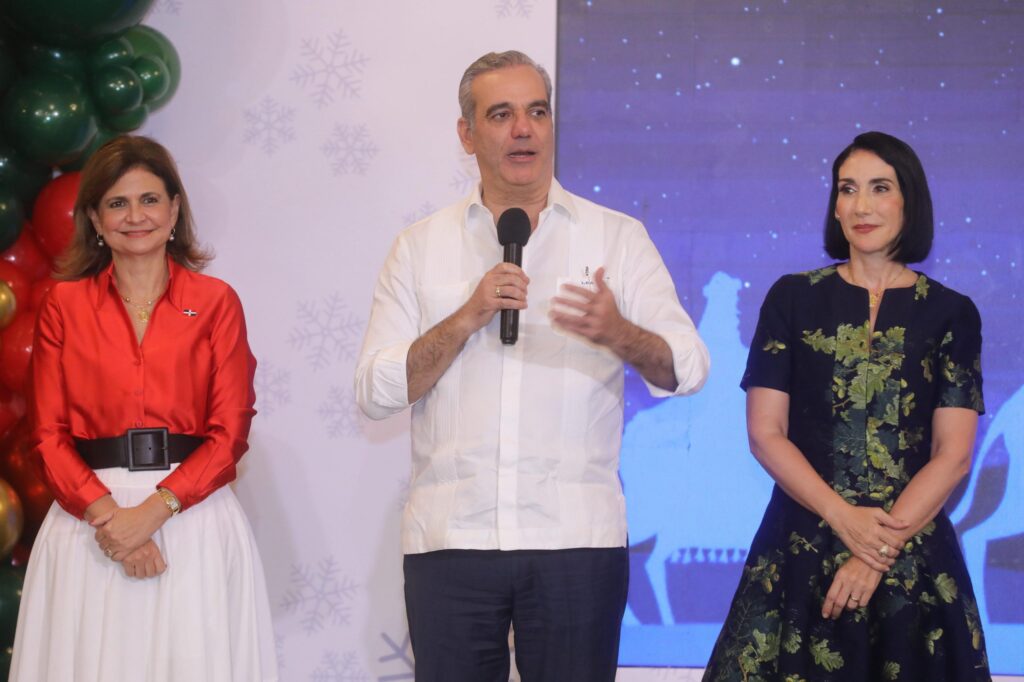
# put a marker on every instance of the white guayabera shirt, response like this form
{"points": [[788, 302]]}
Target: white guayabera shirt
{"points": [[517, 447]]}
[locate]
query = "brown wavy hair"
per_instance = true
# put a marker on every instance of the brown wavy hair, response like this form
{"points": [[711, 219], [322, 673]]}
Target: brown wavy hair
{"points": [[84, 257]]}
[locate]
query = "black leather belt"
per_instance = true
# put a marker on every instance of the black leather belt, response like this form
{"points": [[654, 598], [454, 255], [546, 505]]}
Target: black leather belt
{"points": [[138, 450]]}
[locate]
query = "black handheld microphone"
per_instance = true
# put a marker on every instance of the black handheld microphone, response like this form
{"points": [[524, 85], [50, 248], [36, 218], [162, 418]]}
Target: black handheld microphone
{"points": [[513, 233]]}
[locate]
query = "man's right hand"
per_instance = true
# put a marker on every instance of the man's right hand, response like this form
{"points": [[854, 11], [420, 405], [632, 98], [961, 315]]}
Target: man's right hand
{"points": [[502, 288]]}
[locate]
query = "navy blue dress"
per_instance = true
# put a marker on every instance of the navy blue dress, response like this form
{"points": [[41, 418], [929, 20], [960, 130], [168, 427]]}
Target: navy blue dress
{"points": [[861, 407]]}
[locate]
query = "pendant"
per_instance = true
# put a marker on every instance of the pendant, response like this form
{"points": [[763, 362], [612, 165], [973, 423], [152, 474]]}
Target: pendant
{"points": [[874, 298], [142, 314]]}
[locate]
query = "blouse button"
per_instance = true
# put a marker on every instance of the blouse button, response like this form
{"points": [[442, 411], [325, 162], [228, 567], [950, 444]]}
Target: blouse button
{"points": [[138, 423]]}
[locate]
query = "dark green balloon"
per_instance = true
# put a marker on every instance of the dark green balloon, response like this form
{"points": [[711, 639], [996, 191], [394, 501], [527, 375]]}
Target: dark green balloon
{"points": [[74, 22], [114, 52], [103, 136], [12, 217], [5, 662], [34, 57], [127, 121], [11, 580], [25, 177], [116, 89], [48, 117], [7, 69], [148, 40], [153, 74]]}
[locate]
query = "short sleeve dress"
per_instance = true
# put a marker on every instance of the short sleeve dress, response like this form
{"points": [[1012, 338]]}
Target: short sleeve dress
{"points": [[861, 414]]}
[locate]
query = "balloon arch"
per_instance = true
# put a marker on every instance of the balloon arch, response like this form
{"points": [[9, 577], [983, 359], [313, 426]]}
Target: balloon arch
{"points": [[73, 74]]}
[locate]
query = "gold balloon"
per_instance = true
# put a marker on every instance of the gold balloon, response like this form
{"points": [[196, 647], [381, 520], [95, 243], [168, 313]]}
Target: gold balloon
{"points": [[8, 306], [12, 518]]}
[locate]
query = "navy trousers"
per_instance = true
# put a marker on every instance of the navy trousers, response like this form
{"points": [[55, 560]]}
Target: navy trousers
{"points": [[565, 607]]}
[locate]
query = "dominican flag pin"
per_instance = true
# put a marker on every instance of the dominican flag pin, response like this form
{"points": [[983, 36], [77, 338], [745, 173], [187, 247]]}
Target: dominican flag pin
{"points": [[189, 312]]}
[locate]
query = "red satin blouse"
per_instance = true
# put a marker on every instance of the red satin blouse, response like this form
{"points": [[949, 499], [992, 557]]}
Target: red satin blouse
{"points": [[193, 373]]}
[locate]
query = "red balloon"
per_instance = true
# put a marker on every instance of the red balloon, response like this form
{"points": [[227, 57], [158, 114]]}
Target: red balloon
{"points": [[19, 283], [19, 555], [26, 255], [19, 466], [39, 291], [12, 408], [53, 214], [16, 350]]}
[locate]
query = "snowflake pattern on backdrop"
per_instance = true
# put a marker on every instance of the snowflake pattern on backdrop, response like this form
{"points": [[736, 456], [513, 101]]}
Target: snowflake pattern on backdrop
{"points": [[268, 125], [508, 8], [326, 331], [272, 386], [320, 595], [397, 656], [167, 7], [330, 70], [466, 175], [340, 413], [425, 209], [336, 667], [349, 149]]}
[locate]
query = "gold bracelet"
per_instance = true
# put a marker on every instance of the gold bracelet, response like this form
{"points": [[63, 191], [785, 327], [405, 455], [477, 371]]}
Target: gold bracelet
{"points": [[170, 499]]}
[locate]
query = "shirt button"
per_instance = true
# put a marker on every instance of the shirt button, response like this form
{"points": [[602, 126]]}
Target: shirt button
{"points": [[138, 424], [138, 362]]}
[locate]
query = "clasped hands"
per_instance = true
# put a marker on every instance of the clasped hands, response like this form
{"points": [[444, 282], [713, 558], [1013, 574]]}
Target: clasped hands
{"points": [[873, 537], [125, 534], [593, 315]]}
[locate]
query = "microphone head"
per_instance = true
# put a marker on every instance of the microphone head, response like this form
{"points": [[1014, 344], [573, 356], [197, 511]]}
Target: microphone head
{"points": [[514, 227]]}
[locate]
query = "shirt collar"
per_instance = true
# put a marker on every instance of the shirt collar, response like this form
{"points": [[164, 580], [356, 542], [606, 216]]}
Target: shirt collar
{"points": [[106, 286], [475, 213]]}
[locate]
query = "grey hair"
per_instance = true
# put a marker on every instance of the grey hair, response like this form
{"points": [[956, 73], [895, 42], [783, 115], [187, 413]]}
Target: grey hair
{"points": [[492, 61]]}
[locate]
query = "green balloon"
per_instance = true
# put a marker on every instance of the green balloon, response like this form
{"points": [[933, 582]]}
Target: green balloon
{"points": [[7, 69], [153, 74], [116, 89], [127, 121], [12, 217], [148, 40], [11, 580], [38, 57], [49, 117], [25, 177], [103, 136], [74, 22], [114, 52]]}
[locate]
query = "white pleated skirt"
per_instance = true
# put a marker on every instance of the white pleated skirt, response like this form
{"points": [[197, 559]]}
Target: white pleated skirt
{"points": [[206, 619]]}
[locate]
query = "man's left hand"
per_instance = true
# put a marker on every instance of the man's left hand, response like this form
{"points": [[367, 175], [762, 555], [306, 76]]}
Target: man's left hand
{"points": [[598, 318]]}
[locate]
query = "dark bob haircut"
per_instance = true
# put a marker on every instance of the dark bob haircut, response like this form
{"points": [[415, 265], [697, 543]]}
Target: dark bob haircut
{"points": [[915, 239]]}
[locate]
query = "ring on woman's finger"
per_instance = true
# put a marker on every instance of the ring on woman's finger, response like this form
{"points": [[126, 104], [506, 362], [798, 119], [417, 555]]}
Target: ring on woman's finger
{"points": [[497, 291], [883, 551], [109, 552]]}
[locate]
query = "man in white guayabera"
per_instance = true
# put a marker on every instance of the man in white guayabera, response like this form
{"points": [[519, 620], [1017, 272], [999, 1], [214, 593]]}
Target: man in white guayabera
{"points": [[515, 513]]}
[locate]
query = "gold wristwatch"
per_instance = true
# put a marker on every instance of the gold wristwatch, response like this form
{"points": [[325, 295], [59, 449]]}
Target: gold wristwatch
{"points": [[170, 499]]}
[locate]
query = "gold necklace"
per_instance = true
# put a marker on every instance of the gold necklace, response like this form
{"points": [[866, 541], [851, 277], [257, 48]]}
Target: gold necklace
{"points": [[142, 310], [875, 295]]}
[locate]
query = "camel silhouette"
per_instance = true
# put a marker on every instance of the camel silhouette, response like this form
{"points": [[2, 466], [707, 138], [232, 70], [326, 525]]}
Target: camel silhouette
{"points": [[691, 483], [1008, 518]]}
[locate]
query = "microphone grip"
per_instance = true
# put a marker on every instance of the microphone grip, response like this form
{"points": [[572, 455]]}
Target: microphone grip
{"points": [[510, 318]]}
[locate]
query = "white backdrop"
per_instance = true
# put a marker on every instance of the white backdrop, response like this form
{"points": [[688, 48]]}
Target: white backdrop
{"points": [[308, 133]]}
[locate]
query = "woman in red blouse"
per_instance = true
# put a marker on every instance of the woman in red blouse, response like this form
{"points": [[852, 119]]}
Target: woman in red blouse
{"points": [[142, 397]]}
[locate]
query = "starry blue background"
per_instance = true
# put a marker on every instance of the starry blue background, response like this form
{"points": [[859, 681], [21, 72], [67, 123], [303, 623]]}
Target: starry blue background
{"points": [[716, 123]]}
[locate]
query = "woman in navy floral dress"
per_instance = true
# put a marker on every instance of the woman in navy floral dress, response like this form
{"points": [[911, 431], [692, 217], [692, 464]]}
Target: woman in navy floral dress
{"points": [[863, 395]]}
